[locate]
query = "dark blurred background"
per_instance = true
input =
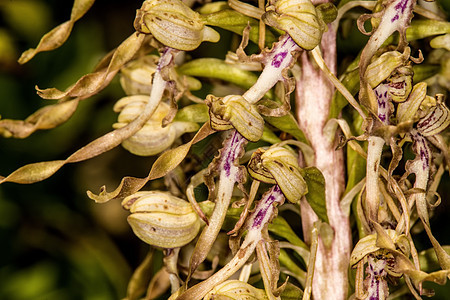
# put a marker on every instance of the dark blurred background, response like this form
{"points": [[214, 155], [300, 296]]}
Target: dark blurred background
{"points": [[56, 243]]}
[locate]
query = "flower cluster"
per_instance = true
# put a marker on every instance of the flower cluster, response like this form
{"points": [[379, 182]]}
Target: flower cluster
{"points": [[277, 134]]}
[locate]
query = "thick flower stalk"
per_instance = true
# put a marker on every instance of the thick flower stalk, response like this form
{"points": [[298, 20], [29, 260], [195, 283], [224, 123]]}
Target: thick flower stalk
{"points": [[313, 98]]}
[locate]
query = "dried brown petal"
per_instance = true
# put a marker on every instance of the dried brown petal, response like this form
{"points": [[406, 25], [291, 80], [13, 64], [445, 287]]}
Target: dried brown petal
{"points": [[92, 83], [47, 117], [58, 35]]}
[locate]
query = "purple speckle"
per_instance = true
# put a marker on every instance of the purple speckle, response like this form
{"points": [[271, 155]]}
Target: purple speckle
{"points": [[278, 59], [381, 103], [259, 217], [400, 7], [227, 168], [425, 157], [271, 198], [232, 150], [265, 205], [421, 149], [382, 96]]}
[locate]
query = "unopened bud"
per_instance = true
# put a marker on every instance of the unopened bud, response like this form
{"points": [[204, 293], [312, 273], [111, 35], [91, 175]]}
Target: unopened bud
{"points": [[382, 67], [278, 165], [152, 138], [161, 219], [299, 19], [137, 75], [173, 24], [234, 111], [235, 290]]}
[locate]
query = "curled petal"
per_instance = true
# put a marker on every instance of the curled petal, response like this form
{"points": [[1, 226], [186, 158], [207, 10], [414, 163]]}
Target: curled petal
{"points": [[48, 117], [92, 83]]}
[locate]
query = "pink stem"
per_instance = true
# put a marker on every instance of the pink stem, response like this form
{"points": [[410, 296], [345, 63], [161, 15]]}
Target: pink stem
{"points": [[313, 97]]}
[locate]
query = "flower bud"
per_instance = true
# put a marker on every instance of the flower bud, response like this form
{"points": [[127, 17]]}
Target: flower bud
{"points": [[278, 165], [173, 24], [161, 219], [400, 84], [235, 290], [234, 111], [299, 19], [382, 67], [152, 138], [137, 75], [369, 245]]}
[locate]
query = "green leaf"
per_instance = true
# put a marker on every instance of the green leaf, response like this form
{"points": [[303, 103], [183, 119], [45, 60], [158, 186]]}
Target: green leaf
{"points": [[197, 113], [350, 80], [293, 266], [236, 22], [356, 165], [281, 227], [288, 124], [316, 191], [428, 259], [420, 29], [269, 136], [291, 292], [217, 68]]}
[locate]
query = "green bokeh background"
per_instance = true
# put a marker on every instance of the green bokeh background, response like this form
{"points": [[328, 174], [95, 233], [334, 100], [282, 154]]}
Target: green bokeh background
{"points": [[56, 243]]}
